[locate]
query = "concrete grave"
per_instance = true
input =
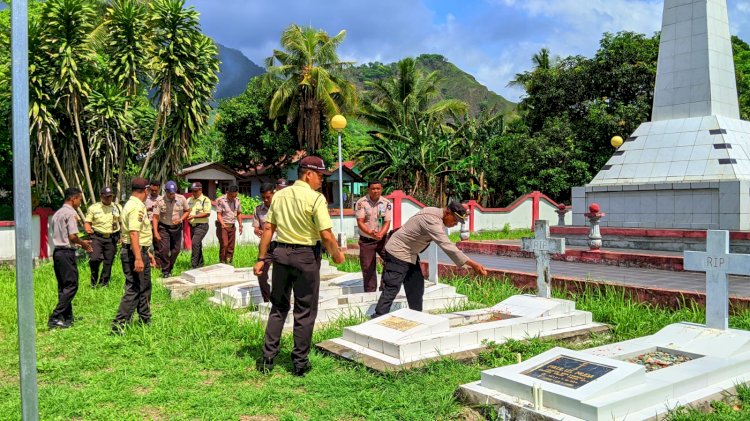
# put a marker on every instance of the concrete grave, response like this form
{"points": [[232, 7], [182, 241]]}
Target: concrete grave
{"points": [[542, 245], [643, 378], [608, 383], [402, 339], [208, 278]]}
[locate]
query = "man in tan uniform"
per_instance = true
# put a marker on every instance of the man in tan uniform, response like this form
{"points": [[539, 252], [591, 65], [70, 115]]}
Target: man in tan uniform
{"points": [[374, 213], [402, 254], [259, 220], [200, 209], [136, 258], [169, 214], [299, 215], [228, 211], [64, 237], [102, 224]]}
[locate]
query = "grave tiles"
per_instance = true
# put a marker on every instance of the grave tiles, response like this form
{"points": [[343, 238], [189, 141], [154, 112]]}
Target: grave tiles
{"points": [[713, 359]]}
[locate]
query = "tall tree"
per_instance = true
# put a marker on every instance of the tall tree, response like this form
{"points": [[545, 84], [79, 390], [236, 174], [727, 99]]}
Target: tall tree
{"points": [[185, 68], [312, 87]]}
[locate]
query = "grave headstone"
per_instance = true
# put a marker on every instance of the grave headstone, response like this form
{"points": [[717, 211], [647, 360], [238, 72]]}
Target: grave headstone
{"points": [[717, 262], [432, 263], [542, 245]]}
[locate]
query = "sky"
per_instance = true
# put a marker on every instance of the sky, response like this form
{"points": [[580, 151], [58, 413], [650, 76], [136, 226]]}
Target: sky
{"points": [[490, 39]]}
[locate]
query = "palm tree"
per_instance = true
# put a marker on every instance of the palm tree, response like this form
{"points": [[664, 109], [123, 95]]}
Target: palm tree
{"points": [[185, 68], [311, 86]]}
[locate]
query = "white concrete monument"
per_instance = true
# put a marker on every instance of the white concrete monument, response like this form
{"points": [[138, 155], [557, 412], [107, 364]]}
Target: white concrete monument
{"points": [[717, 262], [542, 245], [689, 167]]}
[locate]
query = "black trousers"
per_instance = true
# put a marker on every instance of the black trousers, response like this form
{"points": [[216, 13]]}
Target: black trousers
{"points": [[197, 232], [298, 270], [169, 246], [66, 272], [137, 294], [104, 252], [396, 273], [369, 250], [265, 287]]}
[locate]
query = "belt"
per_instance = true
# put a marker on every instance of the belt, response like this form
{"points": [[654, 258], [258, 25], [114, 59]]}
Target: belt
{"points": [[101, 234], [169, 226], [368, 239], [198, 223], [62, 248], [127, 247], [293, 246]]}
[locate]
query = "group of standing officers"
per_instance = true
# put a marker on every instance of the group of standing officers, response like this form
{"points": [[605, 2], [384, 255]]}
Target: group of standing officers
{"points": [[294, 226]]}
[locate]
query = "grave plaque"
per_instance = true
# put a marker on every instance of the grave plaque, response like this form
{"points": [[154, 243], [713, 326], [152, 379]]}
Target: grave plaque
{"points": [[569, 372], [399, 323]]}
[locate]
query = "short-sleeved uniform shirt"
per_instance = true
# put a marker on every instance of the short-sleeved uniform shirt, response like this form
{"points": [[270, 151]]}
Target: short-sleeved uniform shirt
{"points": [[417, 233], [104, 219], [259, 216], [64, 223], [375, 214], [170, 210], [299, 213], [135, 218], [228, 209], [198, 206], [150, 203]]}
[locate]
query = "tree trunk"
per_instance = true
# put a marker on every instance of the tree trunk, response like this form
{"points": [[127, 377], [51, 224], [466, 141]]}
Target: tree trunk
{"points": [[84, 158]]}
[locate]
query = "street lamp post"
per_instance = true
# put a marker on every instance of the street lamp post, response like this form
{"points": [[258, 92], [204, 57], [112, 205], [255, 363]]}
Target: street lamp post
{"points": [[338, 122]]}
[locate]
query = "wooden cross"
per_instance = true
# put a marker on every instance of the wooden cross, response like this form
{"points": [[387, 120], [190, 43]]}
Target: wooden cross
{"points": [[717, 262], [542, 245]]}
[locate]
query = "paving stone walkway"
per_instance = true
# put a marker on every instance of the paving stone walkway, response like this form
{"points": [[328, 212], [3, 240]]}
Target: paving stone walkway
{"points": [[739, 286]]}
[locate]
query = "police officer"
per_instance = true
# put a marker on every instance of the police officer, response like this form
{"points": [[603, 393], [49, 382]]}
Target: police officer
{"points": [[169, 214], [299, 216], [259, 220], [402, 254], [152, 197], [374, 213], [102, 224], [200, 209], [228, 211], [65, 237], [136, 258], [281, 183]]}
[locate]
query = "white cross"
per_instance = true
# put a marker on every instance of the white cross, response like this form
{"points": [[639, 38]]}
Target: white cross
{"points": [[432, 263], [717, 262], [542, 245]]}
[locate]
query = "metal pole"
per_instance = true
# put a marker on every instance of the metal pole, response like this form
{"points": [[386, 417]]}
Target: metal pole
{"points": [[341, 197], [22, 208]]}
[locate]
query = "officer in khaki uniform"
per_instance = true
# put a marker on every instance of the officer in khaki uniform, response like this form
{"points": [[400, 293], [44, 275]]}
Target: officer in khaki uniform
{"points": [[228, 212], [102, 224], [259, 220], [136, 258], [402, 254], [169, 214], [65, 237], [200, 209], [374, 213], [299, 216], [153, 197]]}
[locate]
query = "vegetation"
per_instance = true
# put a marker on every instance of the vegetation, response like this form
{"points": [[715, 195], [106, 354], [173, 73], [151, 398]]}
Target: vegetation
{"points": [[92, 66], [196, 360], [308, 86]]}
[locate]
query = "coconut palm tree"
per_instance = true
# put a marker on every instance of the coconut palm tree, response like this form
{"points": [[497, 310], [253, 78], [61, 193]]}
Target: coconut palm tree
{"points": [[311, 87]]}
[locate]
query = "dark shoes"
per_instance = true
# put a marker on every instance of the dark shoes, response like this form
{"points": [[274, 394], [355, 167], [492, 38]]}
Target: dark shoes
{"points": [[58, 324], [166, 275], [301, 370], [264, 365]]}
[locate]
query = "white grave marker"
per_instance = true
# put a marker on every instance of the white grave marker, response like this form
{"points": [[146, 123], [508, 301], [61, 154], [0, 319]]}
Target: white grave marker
{"points": [[542, 245], [432, 262], [717, 262]]}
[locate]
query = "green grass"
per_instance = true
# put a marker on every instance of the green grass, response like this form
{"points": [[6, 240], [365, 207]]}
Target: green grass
{"points": [[505, 234], [196, 361]]}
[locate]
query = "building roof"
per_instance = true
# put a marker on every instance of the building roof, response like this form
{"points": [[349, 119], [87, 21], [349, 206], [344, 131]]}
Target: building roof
{"points": [[208, 165]]}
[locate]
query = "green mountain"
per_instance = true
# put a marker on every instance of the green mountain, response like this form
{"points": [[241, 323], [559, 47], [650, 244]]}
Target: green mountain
{"points": [[235, 71], [454, 84]]}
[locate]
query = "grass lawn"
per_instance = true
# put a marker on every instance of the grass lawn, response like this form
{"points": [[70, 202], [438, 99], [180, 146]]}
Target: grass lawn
{"points": [[505, 234], [196, 361]]}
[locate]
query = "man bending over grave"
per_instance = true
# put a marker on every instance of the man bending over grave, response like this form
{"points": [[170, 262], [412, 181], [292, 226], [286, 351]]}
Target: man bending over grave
{"points": [[402, 254]]}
